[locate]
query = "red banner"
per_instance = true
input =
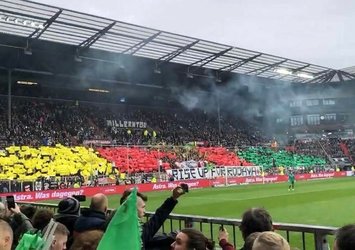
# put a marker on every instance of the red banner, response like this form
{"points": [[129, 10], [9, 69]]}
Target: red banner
{"points": [[90, 191], [199, 183], [273, 178]]}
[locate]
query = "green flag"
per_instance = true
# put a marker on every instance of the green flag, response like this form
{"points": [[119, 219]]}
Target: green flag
{"points": [[123, 232], [30, 241]]}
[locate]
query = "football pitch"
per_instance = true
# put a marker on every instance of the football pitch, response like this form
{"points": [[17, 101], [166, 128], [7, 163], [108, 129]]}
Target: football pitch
{"points": [[329, 202]]}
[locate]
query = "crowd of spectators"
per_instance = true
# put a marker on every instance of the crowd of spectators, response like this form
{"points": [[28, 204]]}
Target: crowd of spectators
{"points": [[76, 228], [350, 144], [36, 122], [335, 148], [44, 122]]}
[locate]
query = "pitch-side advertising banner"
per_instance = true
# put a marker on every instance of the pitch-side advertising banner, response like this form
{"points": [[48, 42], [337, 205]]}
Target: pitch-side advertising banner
{"points": [[108, 190], [147, 187]]}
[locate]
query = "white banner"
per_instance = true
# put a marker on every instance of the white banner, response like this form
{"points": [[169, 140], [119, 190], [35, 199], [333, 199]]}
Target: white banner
{"points": [[202, 173], [95, 142], [125, 124]]}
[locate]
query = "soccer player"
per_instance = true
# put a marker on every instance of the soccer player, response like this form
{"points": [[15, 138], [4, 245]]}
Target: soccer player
{"points": [[291, 181]]}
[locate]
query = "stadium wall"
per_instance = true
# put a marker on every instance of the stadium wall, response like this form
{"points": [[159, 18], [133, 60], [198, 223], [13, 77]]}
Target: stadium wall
{"points": [[199, 183]]}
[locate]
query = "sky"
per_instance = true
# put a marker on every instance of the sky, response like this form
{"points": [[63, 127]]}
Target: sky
{"points": [[314, 31]]}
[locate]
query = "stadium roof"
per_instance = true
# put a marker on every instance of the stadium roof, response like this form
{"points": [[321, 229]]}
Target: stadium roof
{"points": [[38, 21]]}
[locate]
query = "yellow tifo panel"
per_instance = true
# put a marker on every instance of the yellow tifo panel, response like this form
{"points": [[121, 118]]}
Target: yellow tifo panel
{"points": [[28, 163]]}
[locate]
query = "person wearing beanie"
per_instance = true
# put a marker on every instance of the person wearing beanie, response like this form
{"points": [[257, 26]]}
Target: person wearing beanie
{"points": [[69, 206], [68, 212]]}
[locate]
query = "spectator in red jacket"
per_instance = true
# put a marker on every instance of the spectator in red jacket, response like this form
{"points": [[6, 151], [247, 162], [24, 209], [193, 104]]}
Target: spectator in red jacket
{"points": [[223, 240]]}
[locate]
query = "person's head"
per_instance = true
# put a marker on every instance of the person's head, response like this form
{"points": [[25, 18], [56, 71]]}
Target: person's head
{"points": [[345, 238], [255, 220], [41, 218], [190, 238], [249, 241], [270, 241], [28, 210], [141, 200], [2, 209], [99, 202], [60, 237], [6, 235], [69, 206], [88, 240]]}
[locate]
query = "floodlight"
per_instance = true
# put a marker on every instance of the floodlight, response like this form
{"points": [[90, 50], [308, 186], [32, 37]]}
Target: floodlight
{"points": [[305, 75], [189, 75], [27, 51], [77, 58], [157, 71], [283, 71], [99, 90], [27, 83]]}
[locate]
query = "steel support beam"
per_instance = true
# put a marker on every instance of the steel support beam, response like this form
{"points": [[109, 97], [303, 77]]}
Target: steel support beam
{"points": [[91, 40], [172, 55], [301, 68], [340, 76], [347, 74], [266, 68], [320, 76], [140, 45], [38, 32], [233, 66], [330, 76], [210, 58]]}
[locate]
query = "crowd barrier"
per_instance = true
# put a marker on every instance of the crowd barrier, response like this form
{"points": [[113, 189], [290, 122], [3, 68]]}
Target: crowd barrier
{"points": [[147, 187], [299, 235]]}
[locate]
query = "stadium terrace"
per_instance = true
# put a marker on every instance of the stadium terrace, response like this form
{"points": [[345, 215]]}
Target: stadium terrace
{"points": [[99, 109]]}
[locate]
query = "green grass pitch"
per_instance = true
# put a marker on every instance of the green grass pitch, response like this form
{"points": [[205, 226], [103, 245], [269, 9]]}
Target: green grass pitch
{"points": [[329, 202], [323, 202]]}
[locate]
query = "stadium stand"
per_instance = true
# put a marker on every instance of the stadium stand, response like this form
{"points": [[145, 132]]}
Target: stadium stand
{"points": [[30, 163], [222, 157], [332, 149], [136, 159], [269, 158], [350, 148], [44, 127], [45, 122]]}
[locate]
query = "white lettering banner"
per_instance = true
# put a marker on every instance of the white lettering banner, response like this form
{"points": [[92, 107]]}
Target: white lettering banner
{"points": [[125, 124], [202, 173]]}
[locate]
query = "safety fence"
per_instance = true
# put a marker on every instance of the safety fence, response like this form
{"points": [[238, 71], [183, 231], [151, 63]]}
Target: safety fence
{"points": [[299, 235]]}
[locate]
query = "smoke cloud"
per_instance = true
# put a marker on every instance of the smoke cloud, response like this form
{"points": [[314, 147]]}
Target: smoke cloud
{"points": [[252, 99]]}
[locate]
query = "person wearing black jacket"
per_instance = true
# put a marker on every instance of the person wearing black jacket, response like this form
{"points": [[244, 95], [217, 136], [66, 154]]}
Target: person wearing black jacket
{"points": [[93, 218], [151, 227]]}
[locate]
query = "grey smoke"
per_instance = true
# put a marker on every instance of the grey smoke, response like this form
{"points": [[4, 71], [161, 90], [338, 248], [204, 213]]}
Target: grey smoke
{"points": [[251, 98]]}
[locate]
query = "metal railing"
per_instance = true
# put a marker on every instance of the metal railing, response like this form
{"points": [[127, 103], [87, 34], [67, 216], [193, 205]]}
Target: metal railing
{"points": [[309, 236], [299, 235]]}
